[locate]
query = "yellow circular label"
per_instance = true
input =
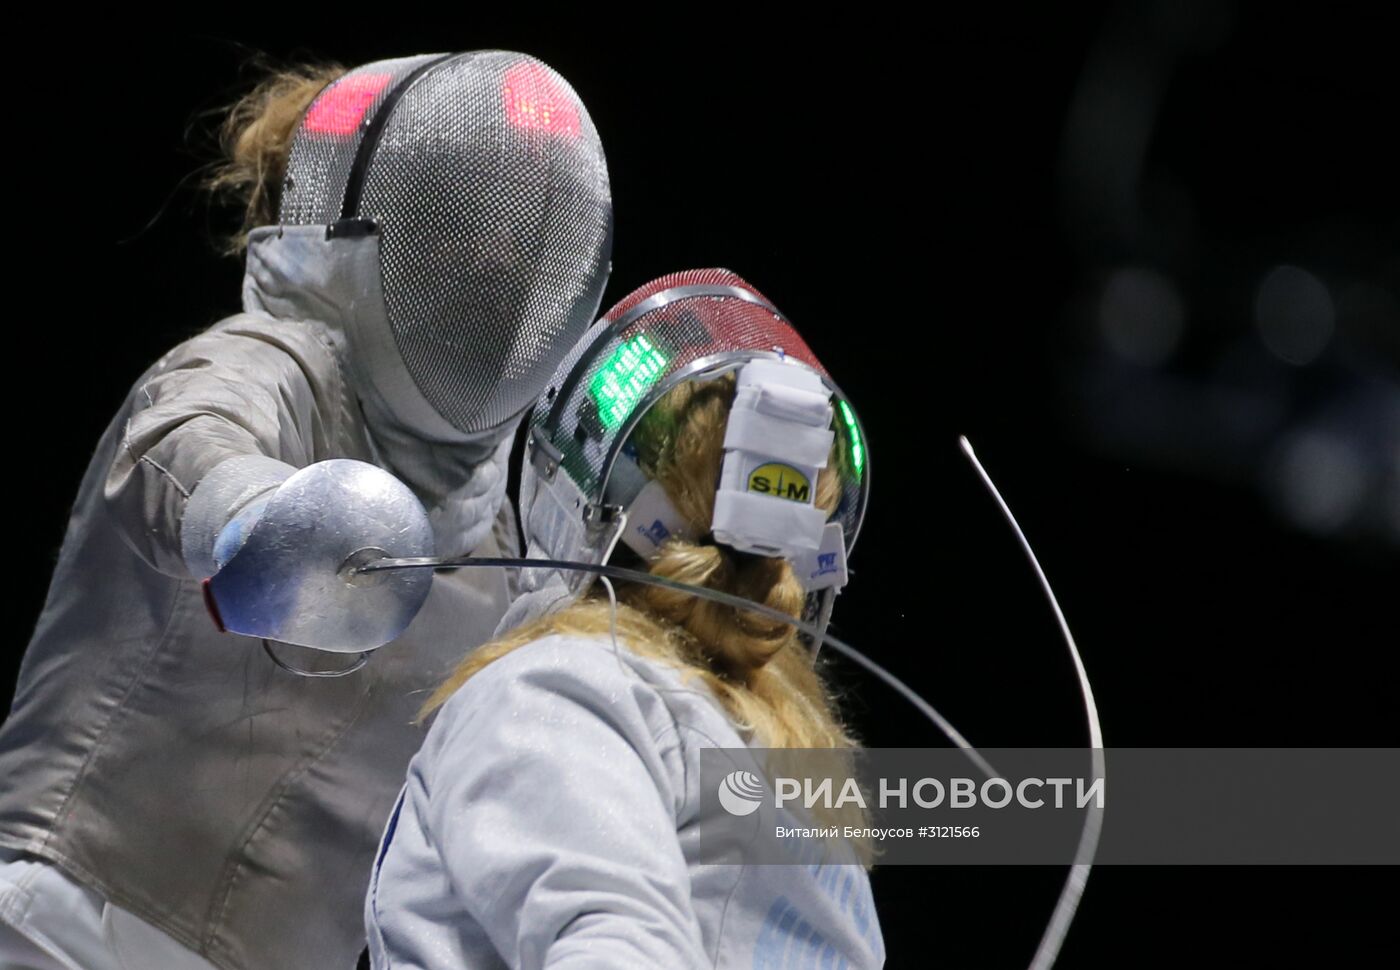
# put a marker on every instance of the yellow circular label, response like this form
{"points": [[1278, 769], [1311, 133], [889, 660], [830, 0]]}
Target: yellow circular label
{"points": [[780, 481]]}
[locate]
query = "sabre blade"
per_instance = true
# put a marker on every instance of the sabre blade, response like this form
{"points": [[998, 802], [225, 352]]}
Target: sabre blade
{"points": [[1068, 903]]}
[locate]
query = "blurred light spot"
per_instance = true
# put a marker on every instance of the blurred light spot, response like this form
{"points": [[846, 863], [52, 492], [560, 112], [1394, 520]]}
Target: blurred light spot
{"points": [[1321, 481], [1294, 314], [1141, 316]]}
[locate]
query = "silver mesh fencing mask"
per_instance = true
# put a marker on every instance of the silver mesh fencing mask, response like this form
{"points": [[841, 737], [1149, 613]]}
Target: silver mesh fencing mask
{"points": [[484, 182]]}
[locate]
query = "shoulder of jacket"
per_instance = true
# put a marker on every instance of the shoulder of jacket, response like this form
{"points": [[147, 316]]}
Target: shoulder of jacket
{"points": [[590, 671], [307, 347], [600, 658], [669, 698], [306, 336], [593, 660]]}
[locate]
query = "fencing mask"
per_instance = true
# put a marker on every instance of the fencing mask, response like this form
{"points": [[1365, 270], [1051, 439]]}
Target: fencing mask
{"points": [[483, 180]]}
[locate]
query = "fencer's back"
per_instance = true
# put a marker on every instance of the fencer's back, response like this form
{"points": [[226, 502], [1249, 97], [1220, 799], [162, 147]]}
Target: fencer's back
{"points": [[555, 814]]}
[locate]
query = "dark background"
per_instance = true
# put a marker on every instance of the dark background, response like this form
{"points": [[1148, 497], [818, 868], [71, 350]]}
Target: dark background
{"points": [[1145, 256]]}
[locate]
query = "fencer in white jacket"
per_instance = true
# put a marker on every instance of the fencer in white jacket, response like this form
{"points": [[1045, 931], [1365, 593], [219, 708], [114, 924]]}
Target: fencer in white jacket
{"points": [[553, 819]]}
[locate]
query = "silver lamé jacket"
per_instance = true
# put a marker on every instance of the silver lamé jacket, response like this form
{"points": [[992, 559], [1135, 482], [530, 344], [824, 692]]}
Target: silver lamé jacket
{"points": [[174, 769]]}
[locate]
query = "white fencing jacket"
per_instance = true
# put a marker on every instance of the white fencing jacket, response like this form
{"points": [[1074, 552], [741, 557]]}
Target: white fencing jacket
{"points": [[551, 820]]}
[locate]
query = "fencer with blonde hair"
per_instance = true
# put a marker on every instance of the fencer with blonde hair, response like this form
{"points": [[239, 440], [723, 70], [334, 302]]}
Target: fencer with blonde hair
{"points": [[552, 814]]}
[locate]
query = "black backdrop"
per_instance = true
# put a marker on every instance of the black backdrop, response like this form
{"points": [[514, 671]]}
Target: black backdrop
{"points": [[899, 189]]}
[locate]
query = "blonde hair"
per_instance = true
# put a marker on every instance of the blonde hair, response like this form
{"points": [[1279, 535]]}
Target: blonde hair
{"points": [[757, 668], [255, 139]]}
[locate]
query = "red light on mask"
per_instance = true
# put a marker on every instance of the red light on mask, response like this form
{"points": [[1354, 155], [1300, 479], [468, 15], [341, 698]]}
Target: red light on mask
{"points": [[341, 109], [534, 98]]}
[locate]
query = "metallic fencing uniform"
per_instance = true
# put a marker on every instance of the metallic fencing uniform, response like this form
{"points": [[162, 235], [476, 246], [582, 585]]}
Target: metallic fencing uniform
{"points": [[173, 768], [445, 238]]}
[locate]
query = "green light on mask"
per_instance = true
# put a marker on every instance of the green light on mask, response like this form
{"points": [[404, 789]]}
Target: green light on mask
{"points": [[624, 378], [853, 431]]}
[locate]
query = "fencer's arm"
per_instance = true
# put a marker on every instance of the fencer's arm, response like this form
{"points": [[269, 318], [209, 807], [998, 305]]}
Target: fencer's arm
{"points": [[219, 420], [555, 802]]}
